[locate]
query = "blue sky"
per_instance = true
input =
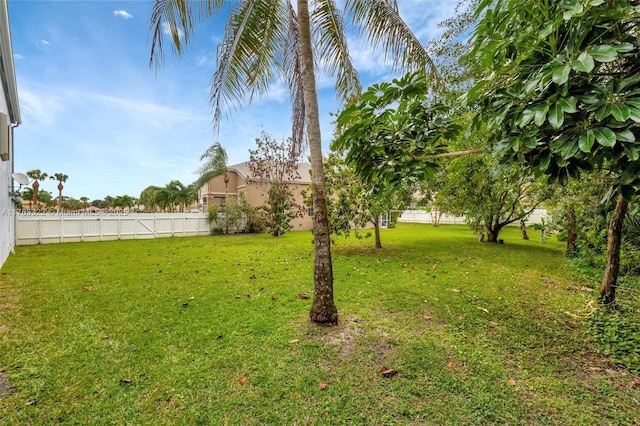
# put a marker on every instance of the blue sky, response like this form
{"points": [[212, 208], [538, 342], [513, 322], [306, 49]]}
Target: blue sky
{"points": [[94, 110]]}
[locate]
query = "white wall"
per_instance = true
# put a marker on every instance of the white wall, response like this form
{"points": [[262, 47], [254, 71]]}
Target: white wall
{"points": [[421, 216], [7, 217]]}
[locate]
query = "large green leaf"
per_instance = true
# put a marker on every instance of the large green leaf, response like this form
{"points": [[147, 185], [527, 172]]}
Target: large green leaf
{"points": [[540, 113], [568, 105], [583, 63], [586, 140], [605, 136], [603, 53], [556, 116], [626, 135], [620, 112], [561, 74]]}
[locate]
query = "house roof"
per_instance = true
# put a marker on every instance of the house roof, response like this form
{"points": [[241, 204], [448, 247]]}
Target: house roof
{"points": [[7, 69], [304, 170]]}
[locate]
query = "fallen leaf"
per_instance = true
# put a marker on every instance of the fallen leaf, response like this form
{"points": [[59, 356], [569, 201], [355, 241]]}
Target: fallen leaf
{"points": [[452, 365], [486, 311], [387, 372], [322, 386], [511, 381], [294, 341], [302, 296], [273, 297], [125, 381], [243, 381], [32, 402]]}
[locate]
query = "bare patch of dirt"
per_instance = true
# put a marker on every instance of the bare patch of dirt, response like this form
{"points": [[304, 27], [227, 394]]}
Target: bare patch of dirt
{"points": [[5, 387], [344, 335]]}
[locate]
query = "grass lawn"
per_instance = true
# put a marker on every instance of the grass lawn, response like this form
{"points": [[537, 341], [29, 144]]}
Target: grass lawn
{"points": [[214, 330]]}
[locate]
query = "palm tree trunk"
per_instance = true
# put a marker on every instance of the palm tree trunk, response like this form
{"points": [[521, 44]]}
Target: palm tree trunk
{"points": [[610, 279], [323, 309], [60, 188], [35, 187]]}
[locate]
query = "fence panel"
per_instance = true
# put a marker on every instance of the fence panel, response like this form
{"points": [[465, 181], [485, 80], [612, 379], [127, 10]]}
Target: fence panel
{"points": [[421, 216], [49, 228]]}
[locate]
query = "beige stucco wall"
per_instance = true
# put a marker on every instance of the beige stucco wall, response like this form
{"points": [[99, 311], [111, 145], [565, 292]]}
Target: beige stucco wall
{"points": [[255, 195]]}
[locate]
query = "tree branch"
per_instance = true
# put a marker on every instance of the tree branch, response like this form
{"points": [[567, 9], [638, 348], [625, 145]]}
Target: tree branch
{"points": [[447, 154]]}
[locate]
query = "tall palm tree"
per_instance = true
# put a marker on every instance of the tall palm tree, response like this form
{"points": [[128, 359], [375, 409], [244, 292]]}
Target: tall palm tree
{"points": [[37, 177], [268, 39], [61, 178], [215, 158]]}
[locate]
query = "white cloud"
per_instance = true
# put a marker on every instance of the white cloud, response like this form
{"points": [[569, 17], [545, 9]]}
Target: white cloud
{"points": [[39, 109], [45, 42], [123, 14], [18, 57]]}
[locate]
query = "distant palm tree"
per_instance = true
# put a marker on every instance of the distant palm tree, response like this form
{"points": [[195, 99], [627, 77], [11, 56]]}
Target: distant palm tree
{"points": [[37, 177], [267, 39], [85, 202], [215, 158], [61, 178], [123, 201]]}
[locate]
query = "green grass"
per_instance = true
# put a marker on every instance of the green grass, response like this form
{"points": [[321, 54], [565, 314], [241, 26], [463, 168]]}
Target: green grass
{"points": [[212, 330]]}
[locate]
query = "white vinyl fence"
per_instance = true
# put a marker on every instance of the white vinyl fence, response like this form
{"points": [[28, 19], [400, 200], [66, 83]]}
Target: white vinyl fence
{"points": [[421, 216], [48, 228]]}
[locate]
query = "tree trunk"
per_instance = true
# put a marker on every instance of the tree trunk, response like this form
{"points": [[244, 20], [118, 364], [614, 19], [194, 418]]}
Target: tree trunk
{"points": [[572, 231], [35, 186], [376, 227], [523, 228], [492, 235], [608, 286], [323, 309], [60, 188]]}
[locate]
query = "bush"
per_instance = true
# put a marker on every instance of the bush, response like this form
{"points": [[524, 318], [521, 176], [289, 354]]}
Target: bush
{"points": [[616, 333]]}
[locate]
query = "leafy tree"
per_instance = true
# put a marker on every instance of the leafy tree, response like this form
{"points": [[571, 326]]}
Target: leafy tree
{"points": [[561, 94], [123, 201], [85, 202], [352, 204], [394, 135], [268, 39], [272, 167], [148, 198], [37, 177], [61, 178], [489, 197], [215, 158]]}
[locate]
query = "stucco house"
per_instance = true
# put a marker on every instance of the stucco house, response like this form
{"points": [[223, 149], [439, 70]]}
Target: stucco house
{"points": [[240, 185], [9, 119]]}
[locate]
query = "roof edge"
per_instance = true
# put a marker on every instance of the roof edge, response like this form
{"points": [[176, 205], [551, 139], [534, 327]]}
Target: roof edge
{"points": [[7, 70]]}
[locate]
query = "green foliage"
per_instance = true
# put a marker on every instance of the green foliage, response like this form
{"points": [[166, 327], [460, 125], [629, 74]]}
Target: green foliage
{"points": [[561, 90], [392, 132], [617, 334], [488, 195], [353, 205], [273, 167]]}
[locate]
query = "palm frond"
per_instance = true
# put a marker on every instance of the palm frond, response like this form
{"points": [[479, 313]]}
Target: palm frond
{"points": [[386, 29], [215, 158], [329, 32], [247, 57], [177, 17], [292, 71]]}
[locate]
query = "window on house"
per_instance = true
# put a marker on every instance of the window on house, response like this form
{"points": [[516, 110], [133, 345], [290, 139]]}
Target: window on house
{"points": [[310, 211]]}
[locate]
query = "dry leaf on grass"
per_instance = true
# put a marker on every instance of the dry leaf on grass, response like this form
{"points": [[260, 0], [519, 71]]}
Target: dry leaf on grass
{"points": [[387, 372], [322, 386]]}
